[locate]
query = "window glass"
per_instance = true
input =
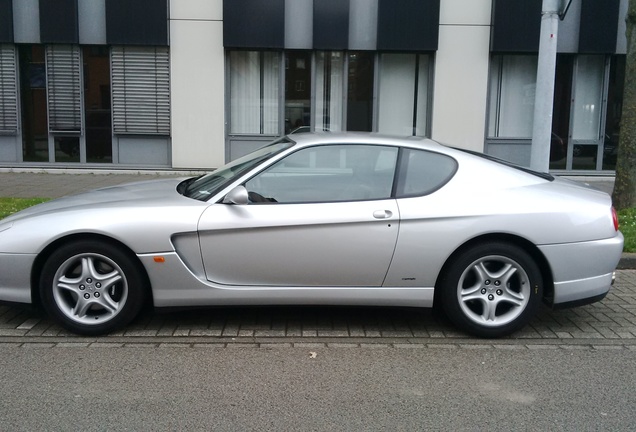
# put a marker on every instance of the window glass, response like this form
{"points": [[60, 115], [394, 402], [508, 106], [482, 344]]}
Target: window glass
{"points": [[140, 90], [423, 172], [329, 86], [297, 91], [254, 92], [513, 81], [403, 94], [588, 97], [35, 129], [327, 174], [204, 187], [360, 91], [97, 105]]}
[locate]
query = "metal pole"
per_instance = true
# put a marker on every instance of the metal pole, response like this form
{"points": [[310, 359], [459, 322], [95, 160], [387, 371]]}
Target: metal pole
{"points": [[544, 96]]}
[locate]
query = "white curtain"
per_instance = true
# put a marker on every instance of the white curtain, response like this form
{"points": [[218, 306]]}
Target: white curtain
{"points": [[249, 113], [271, 70], [329, 82], [397, 87], [513, 85], [588, 97], [398, 94]]}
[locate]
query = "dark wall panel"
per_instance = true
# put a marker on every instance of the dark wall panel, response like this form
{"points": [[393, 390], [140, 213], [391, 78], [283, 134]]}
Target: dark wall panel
{"points": [[516, 25], [599, 26], [58, 21], [137, 22], [254, 23], [408, 25], [331, 24], [6, 21]]}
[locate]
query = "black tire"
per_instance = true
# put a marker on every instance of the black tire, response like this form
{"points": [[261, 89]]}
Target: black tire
{"points": [[491, 289], [92, 288]]}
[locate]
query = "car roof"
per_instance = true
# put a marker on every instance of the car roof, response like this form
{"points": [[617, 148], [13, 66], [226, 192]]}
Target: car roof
{"points": [[371, 138]]}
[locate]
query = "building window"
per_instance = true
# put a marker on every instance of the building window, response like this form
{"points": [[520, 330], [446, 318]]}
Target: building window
{"points": [[329, 91], [254, 92], [297, 91], [140, 90], [513, 81], [403, 94], [579, 110], [97, 105], [324, 91], [35, 145], [8, 91]]}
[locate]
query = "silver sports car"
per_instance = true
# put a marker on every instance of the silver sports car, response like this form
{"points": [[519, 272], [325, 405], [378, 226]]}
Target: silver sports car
{"points": [[352, 219]]}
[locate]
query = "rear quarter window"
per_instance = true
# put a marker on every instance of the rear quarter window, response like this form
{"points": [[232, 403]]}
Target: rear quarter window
{"points": [[423, 172]]}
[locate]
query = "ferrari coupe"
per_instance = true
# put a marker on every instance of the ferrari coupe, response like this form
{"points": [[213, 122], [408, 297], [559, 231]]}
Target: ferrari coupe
{"points": [[321, 219]]}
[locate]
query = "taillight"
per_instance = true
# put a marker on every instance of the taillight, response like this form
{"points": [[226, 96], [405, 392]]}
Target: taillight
{"points": [[615, 218]]}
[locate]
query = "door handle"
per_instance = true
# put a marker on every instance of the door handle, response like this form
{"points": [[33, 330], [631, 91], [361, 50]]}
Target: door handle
{"points": [[382, 214]]}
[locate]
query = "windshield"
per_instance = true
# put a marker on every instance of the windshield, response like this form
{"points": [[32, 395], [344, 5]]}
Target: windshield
{"points": [[202, 188]]}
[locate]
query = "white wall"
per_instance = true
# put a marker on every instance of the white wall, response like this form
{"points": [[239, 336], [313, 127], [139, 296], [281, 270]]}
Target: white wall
{"points": [[461, 73], [197, 83]]}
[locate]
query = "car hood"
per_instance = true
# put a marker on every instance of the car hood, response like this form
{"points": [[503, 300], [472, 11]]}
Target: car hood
{"points": [[139, 194]]}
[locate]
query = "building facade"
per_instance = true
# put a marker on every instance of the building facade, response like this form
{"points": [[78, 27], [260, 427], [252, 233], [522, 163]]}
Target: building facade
{"points": [[192, 84]]}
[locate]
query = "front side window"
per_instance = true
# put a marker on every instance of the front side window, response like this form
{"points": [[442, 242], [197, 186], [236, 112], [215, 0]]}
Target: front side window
{"points": [[327, 174], [203, 188]]}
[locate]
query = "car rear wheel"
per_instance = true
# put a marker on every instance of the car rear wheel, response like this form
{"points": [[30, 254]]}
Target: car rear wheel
{"points": [[492, 289], [92, 288]]}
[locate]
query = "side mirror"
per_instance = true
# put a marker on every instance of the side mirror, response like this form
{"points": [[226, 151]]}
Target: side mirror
{"points": [[237, 196]]}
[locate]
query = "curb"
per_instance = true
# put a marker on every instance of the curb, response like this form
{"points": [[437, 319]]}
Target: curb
{"points": [[627, 262]]}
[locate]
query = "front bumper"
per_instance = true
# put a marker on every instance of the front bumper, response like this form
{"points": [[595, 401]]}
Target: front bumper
{"points": [[584, 270], [15, 277]]}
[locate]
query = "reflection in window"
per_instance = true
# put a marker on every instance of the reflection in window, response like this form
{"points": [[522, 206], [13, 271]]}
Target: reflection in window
{"points": [[329, 83], [297, 91], [254, 92], [360, 91], [513, 81], [327, 174], [403, 94], [97, 104], [588, 97], [35, 129]]}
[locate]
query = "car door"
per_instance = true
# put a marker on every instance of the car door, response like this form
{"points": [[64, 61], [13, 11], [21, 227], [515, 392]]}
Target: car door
{"points": [[322, 216]]}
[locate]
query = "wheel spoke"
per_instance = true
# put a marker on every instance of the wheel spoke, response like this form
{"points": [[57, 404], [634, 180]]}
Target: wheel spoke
{"points": [[81, 307], [513, 297], [490, 310]]}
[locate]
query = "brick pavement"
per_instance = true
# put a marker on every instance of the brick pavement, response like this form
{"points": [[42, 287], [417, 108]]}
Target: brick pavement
{"points": [[602, 325]]}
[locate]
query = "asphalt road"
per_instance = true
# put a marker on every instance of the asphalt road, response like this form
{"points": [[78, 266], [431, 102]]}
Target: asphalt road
{"points": [[340, 389]]}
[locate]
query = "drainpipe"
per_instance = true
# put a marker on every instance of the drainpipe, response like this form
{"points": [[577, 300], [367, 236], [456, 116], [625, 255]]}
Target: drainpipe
{"points": [[544, 96]]}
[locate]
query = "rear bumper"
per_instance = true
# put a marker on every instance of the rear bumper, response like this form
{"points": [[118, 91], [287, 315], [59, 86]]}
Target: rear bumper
{"points": [[583, 272]]}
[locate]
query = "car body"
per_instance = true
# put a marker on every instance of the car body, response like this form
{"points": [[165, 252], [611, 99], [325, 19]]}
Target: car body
{"points": [[326, 218]]}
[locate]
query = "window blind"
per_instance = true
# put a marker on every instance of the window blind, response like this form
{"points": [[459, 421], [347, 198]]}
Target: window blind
{"points": [[141, 90], [8, 90], [64, 88]]}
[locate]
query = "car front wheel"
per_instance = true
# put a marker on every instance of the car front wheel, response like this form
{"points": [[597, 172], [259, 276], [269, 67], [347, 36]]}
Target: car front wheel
{"points": [[492, 289], [91, 288]]}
